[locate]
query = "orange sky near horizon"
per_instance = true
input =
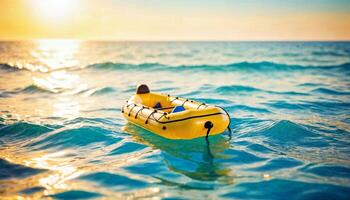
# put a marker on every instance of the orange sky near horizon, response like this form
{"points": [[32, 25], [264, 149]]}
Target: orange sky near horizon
{"points": [[118, 20]]}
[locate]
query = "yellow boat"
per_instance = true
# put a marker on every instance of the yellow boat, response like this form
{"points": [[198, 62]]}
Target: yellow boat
{"points": [[174, 117]]}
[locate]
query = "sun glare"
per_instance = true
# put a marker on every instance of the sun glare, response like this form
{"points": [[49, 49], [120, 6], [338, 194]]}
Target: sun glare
{"points": [[54, 11]]}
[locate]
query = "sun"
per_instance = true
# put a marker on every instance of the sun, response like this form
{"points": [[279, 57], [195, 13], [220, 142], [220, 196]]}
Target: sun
{"points": [[54, 11]]}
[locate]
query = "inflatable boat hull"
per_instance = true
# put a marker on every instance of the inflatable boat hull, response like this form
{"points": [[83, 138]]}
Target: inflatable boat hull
{"points": [[187, 124]]}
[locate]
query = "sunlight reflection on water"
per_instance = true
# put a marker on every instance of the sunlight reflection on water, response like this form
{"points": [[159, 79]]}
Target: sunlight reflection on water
{"points": [[62, 134], [57, 54]]}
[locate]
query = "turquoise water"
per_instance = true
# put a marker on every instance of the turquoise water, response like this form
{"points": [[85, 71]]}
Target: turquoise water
{"points": [[62, 134]]}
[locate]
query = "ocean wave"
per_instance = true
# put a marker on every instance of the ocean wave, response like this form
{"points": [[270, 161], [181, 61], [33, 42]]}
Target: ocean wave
{"points": [[247, 109], [32, 190], [310, 84], [8, 68], [291, 54], [30, 89], [126, 148], [289, 121], [328, 53], [241, 157], [297, 135], [237, 88], [117, 181], [240, 66], [123, 66], [327, 170], [277, 164], [325, 107], [102, 91], [76, 194], [233, 89], [11, 170], [22, 131], [5, 94], [306, 190], [329, 91], [36, 89], [74, 137]]}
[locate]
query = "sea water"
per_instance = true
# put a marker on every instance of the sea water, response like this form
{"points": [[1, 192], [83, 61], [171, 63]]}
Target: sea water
{"points": [[62, 134]]}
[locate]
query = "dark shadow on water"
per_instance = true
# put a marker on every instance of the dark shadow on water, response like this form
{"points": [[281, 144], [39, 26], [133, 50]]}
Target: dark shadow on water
{"points": [[10, 170], [208, 156], [194, 158]]}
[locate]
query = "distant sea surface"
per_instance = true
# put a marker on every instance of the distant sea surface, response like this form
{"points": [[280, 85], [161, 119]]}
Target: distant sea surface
{"points": [[62, 135]]}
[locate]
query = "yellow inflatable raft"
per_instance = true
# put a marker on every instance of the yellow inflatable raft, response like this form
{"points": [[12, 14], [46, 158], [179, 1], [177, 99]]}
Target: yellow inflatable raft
{"points": [[174, 117]]}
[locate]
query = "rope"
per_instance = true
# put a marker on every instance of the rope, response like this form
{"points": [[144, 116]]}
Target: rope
{"points": [[143, 107], [184, 102], [146, 122], [132, 109], [164, 114], [230, 133], [127, 105], [164, 108], [229, 124], [176, 98], [187, 118], [202, 104], [210, 156], [208, 125]]}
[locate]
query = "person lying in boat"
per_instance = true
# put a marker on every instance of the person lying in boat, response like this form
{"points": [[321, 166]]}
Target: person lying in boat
{"points": [[144, 89]]}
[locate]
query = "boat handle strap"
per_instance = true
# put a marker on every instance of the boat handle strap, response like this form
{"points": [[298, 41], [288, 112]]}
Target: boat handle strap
{"points": [[146, 122], [131, 109], [229, 124], [202, 104], [143, 107]]}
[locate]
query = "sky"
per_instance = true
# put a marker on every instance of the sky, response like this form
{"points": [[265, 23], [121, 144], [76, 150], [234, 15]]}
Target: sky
{"points": [[179, 20]]}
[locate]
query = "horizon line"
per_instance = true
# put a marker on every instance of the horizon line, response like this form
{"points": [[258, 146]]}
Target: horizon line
{"points": [[170, 40]]}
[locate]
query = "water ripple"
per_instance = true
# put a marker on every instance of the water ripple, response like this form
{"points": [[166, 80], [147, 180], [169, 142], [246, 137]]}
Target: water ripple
{"points": [[62, 134]]}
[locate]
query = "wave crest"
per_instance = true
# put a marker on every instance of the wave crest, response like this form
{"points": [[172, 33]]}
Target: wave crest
{"points": [[36, 89], [8, 68], [240, 66]]}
